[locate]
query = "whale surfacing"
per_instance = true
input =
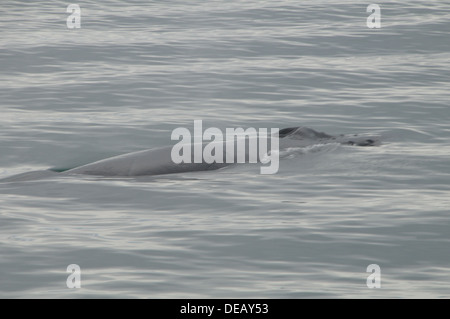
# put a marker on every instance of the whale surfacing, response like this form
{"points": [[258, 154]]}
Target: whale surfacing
{"points": [[158, 161]]}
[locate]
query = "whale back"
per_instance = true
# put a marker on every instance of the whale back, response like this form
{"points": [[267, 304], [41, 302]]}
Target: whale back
{"points": [[157, 161]]}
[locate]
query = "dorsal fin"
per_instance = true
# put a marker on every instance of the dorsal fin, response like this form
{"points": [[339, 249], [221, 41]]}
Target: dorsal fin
{"points": [[302, 132], [286, 131]]}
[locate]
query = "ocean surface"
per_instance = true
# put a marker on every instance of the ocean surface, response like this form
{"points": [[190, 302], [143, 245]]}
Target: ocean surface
{"points": [[135, 71]]}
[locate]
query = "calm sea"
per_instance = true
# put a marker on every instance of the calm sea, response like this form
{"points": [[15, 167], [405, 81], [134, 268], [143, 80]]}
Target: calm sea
{"points": [[135, 71]]}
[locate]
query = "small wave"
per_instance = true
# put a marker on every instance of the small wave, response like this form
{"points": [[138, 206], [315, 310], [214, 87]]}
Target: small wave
{"points": [[293, 152]]}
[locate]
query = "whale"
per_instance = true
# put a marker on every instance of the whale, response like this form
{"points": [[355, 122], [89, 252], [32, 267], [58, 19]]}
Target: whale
{"points": [[158, 161]]}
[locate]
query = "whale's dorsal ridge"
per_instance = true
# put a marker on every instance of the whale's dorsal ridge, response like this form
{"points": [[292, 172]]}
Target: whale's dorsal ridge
{"points": [[302, 132], [286, 131]]}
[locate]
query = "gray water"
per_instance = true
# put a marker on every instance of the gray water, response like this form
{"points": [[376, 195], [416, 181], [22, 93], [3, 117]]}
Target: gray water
{"points": [[134, 72]]}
